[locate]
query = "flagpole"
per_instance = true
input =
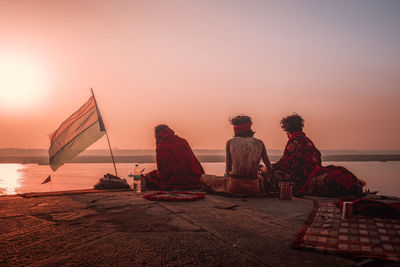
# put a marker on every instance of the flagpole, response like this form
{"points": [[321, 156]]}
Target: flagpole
{"points": [[108, 139]]}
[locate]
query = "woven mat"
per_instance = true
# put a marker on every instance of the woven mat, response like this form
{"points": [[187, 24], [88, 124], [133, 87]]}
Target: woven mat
{"points": [[359, 236]]}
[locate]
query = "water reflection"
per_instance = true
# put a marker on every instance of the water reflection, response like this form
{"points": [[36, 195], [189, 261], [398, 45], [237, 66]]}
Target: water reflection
{"points": [[11, 178], [20, 178]]}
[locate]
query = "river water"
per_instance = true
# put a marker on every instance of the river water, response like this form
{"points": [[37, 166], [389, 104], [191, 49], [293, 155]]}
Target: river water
{"points": [[22, 178]]}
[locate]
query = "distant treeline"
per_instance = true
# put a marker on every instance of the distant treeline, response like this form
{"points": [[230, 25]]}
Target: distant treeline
{"points": [[141, 152], [203, 157]]}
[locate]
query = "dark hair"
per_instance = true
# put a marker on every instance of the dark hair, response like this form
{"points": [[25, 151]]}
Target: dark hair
{"points": [[292, 123], [241, 119], [159, 128]]}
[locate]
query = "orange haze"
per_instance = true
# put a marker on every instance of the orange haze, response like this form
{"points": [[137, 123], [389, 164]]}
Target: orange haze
{"points": [[192, 64]]}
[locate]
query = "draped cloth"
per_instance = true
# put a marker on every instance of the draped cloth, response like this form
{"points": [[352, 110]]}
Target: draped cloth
{"points": [[372, 207], [301, 160], [332, 181], [177, 166], [232, 185]]}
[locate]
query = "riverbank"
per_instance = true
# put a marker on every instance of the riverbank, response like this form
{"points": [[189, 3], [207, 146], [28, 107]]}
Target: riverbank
{"points": [[44, 160], [121, 228]]}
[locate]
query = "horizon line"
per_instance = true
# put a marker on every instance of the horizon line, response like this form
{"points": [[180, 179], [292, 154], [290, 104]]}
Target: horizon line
{"points": [[117, 148]]}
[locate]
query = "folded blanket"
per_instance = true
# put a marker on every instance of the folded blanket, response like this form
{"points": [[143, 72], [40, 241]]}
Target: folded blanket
{"points": [[370, 207]]}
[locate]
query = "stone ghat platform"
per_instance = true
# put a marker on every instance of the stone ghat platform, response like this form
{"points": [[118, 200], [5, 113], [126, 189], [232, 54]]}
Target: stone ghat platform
{"points": [[120, 228]]}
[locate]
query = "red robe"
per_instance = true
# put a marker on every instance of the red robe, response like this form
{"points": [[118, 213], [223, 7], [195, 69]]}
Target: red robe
{"points": [[299, 159], [302, 161], [332, 181], [177, 166]]}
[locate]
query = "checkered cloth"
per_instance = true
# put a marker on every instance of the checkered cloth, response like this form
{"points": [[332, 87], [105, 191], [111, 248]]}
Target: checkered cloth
{"points": [[359, 236]]}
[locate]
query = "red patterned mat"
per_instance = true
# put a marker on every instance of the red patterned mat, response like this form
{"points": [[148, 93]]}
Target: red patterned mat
{"points": [[359, 236]]}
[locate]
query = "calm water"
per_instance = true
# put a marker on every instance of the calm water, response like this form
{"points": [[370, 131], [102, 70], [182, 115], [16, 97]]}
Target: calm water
{"points": [[18, 178]]}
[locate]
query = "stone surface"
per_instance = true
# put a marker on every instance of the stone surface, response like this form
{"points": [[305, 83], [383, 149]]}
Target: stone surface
{"points": [[123, 229]]}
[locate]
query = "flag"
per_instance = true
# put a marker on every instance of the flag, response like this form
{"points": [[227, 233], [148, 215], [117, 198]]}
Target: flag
{"points": [[48, 179], [75, 134]]}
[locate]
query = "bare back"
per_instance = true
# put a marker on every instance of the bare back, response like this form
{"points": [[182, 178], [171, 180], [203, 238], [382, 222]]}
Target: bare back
{"points": [[243, 156]]}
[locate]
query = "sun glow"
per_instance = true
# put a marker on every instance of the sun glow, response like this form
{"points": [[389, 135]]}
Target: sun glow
{"points": [[22, 83]]}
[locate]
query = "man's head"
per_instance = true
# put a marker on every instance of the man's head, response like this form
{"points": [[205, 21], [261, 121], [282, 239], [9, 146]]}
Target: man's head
{"points": [[242, 126], [159, 128], [292, 123]]}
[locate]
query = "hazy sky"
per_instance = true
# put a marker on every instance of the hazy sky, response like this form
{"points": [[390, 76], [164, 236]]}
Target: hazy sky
{"points": [[192, 64]]}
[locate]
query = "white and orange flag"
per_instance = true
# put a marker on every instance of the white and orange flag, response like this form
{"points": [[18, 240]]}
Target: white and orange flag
{"points": [[75, 134]]}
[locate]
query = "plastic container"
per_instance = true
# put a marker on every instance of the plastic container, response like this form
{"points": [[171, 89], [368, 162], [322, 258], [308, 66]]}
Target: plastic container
{"points": [[347, 211], [137, 184], [285, 191]]}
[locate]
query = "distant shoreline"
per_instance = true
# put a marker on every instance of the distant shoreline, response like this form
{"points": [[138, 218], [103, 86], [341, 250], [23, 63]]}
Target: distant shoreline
{"points": [[150, 158]]}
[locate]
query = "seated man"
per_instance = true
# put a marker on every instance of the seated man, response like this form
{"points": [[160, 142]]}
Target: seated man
{"points": [[243, 155], [301, 160], [177, 166]]}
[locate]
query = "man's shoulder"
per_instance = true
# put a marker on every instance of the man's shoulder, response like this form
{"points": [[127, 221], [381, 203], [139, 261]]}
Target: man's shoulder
{"points": [[170, 141], [246, 140], [258, 140]]}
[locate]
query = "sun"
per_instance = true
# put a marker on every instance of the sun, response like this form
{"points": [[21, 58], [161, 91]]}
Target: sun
{"points": [[23, 83]]}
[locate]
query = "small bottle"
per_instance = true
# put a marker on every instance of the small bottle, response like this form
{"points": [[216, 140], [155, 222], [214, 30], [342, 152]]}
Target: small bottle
{"points": [[136, 179]]}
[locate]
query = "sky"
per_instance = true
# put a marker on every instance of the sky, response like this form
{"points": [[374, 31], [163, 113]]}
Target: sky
{"points": [[193, 64]]}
